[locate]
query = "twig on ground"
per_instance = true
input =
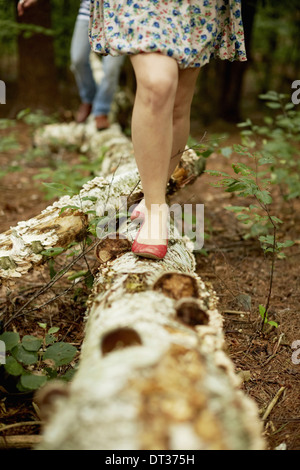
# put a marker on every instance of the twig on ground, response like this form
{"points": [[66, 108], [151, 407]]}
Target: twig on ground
{"points": [[275, 350], [273, 403]]}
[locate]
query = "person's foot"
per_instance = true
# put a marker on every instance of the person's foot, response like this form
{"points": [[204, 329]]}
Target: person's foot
{"points": [[152, 238], [83, 112], [102, 122]]}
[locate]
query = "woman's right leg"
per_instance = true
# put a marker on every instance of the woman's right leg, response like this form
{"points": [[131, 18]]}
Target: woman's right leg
{"points": [[181, 119], [152, 137]]}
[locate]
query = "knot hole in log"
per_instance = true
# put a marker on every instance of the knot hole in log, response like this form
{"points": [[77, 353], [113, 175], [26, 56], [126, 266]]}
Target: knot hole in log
{"points": [[177, 285], [184, 289], [190, 312], [119, 339], [111, 247]]}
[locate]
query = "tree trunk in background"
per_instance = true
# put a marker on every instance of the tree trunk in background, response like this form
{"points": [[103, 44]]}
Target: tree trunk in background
{"points": [[37, 74], [233, 72], [219, 88]]}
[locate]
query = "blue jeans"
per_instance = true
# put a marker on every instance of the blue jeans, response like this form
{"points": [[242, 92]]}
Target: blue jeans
{"points": [[100, 96]]}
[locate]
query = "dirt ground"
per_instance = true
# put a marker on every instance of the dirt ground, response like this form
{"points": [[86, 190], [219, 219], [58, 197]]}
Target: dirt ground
{"points": [[237, 269]]}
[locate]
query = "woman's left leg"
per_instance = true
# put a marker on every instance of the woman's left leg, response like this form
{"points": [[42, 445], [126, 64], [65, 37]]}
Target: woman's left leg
{"points": [[152, 137], [182, 114]]}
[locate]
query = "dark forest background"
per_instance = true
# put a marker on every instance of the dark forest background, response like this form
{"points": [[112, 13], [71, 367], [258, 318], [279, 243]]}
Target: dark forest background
{"points": [[35, 60]]}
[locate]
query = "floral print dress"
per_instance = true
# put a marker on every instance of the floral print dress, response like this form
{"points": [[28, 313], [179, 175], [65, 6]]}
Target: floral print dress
{"points": [[191, 31]]}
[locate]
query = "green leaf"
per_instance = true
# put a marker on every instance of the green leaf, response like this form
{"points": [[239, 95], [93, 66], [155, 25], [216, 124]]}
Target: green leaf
{"points": [[236, 168], [247, 123], [63, 209], [236, 186], [22, 355], [90, 198], [261, 309], [10, 339], [61, 188], [247, 132], [6, 123], [273, 105], [33, 381], [273, 323], [236, 208], [53, 330], [60, 353], [264, 197], [217, 173], [50, 339], [12, 367], [52, 252], [288, 243], [268, 239], [262, 312], [89, 281], [271, 95], [266, 160], [51, 373], [31, 343], [289, 106], [285, 244], [276, 220], [268, 120], [243, 169], [205, 154], [77, 275], [68, 375], [52, 270], [243, 217]]}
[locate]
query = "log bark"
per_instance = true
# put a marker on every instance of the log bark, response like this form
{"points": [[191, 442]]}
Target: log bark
{"points": [[19, 442], [21, 247], [153, 373]]}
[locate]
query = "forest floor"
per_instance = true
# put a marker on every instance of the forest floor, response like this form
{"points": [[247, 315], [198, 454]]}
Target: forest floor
{"points": [[237, 269]]}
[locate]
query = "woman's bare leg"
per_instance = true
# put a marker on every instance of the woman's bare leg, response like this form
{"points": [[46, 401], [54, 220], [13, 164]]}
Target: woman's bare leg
{"points": [[152, 136], [181, 114], [181, 118]]}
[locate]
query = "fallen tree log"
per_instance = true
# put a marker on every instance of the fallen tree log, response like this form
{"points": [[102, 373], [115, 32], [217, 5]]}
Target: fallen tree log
{"points": [[152, 373], [111, 143], [21, 247]]}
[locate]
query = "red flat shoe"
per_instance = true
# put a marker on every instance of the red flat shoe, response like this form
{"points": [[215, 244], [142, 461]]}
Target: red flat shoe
{"points": [[149, 251]]}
